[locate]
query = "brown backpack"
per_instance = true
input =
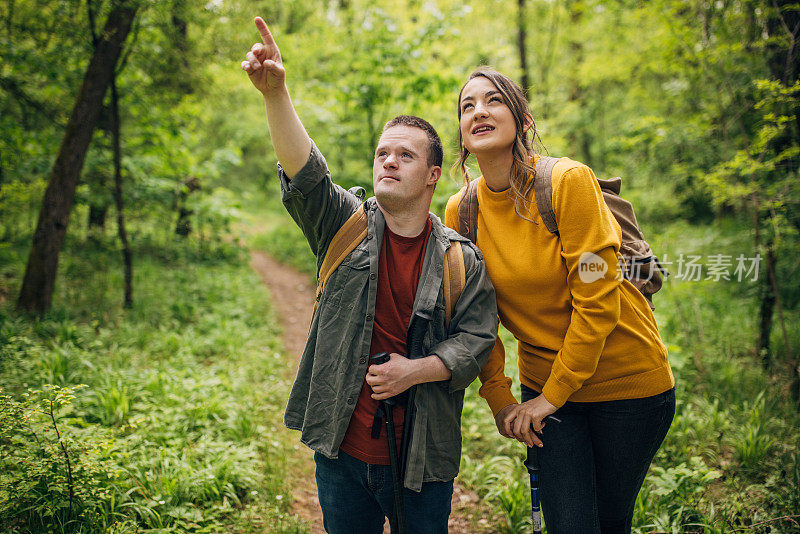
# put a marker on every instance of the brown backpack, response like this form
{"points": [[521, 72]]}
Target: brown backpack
{"points": [[642, 268]]}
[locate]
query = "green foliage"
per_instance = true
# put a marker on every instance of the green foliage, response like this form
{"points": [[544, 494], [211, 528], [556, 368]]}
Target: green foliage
{"points": [[675, 492], [19, 203], [56, 476], [167, 412]]}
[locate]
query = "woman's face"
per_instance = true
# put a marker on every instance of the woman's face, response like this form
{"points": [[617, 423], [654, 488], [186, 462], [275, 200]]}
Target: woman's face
{"points": [[487, 124]]}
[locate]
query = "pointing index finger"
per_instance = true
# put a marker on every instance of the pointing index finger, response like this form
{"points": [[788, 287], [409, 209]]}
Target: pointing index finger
{"points": [[266, 36]]}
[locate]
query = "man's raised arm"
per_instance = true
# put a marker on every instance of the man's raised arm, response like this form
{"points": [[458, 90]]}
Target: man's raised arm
{"points": [[265, 68]]}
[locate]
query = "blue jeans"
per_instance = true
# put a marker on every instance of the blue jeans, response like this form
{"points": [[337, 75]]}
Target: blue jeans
{"points": [[593, 463], [356, 496]]}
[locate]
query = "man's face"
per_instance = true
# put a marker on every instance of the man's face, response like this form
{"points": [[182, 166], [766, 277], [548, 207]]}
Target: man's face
{"points": [[400, 171]]}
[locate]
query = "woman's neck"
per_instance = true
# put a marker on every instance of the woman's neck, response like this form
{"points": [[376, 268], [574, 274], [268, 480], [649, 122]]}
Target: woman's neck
{"points": [[496, 169]]}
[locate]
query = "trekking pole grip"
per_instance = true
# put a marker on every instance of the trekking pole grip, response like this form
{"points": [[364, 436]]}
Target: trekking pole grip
{"points": [[379, 358]]}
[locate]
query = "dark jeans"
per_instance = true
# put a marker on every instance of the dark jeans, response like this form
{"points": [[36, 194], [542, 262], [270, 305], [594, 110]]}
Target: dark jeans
{"points": [[355, 496], [593, 463]]}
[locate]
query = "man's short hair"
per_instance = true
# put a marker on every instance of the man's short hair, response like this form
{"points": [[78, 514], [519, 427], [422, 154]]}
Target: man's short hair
{"points": [[435, 152]]}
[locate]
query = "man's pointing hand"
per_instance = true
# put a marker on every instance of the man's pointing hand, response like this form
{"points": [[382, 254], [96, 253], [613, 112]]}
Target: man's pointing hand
{"points": [[263, 62]]}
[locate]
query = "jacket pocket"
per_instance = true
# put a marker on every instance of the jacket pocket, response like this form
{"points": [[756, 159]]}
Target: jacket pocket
{"points": [[345, 279]]}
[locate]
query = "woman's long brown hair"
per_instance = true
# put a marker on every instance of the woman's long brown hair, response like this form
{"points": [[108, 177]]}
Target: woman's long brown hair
{"points": [[522, 151]]}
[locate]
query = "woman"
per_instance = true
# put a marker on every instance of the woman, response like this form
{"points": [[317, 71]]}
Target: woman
{"points": [[589, 348]]}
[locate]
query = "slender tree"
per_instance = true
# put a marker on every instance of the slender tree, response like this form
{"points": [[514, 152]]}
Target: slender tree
{"points": [[123, 234], [521, 34], [40, 273]]}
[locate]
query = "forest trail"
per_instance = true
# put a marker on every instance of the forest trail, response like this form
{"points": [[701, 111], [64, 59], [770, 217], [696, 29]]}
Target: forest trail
{"points": [[293, 298]]}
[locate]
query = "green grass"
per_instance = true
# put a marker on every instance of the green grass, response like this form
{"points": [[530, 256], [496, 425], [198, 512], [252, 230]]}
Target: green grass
{"points": [[177, 424]]}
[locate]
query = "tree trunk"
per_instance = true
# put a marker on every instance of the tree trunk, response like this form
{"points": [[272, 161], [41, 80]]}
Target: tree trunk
{"points": [[97, 216], [98, 203], [767, 308], [184, 225], [180, 39], [40, 274], [123, 235], [521, 32], [579, 139], [783, 27]]}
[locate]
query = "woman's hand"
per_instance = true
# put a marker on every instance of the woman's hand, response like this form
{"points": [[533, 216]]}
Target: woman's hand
{"points": [[528, 419]]}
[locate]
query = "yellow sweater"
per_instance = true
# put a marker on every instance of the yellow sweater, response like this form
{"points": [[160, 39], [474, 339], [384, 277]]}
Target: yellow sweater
{"points": [[583, 335]]}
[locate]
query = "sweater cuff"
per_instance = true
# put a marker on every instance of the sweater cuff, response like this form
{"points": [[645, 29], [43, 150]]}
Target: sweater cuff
{"points": [[555, 392], [499, 398]]}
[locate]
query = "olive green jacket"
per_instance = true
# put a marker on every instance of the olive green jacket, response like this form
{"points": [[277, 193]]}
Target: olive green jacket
{"points": [[335, 359]]}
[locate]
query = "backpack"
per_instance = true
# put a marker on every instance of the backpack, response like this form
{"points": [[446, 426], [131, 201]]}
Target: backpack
{"points": [[354, 230], [642, 268]]}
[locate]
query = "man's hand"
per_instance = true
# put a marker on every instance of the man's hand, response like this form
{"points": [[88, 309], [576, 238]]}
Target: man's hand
{"points": [[265, 67], [504, 419], [400, 373], [391, 378], [263, 63]]}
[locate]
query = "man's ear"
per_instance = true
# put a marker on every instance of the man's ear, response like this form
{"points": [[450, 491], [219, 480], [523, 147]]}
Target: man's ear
{"points": [[528, 124], [435, 174]]}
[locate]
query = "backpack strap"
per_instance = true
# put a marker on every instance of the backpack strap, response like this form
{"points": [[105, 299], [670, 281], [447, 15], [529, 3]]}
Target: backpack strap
{"points": [[543, 190], [352, 232], [468, 212], [454, 278]]}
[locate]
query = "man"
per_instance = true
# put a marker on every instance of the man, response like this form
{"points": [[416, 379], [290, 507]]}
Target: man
{"points": [[395, 271]]}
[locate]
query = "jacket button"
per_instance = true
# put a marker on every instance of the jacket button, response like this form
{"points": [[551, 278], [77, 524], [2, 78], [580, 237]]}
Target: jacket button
{"points": [[363, 359], [372, 276], [349, 400], [369, 236], [369, 317]]}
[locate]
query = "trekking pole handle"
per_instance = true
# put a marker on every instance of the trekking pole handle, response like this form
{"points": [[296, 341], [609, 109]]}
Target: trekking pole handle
{"points": [[379, 358], [552, 419]]}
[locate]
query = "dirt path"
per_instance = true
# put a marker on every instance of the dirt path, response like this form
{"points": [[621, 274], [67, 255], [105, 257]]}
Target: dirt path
{"points": [[293, 296]]}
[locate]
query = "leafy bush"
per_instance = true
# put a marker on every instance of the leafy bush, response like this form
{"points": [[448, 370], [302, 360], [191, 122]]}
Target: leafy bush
{"points": [[54, 475]]}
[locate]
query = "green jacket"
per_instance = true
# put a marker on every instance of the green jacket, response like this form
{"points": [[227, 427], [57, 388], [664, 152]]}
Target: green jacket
{"points": [[335, 359]]}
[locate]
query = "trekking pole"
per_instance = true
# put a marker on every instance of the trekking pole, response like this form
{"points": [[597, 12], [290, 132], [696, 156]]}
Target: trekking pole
{"points": [[398, 522], [532, 464], [414, 349]]}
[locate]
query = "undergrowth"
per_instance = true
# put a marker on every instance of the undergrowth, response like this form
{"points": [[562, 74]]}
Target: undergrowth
{"points": [[165, 417]]}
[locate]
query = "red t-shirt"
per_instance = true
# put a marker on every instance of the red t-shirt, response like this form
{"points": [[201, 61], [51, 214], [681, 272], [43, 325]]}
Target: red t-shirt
{"points": [[399, 268]]}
